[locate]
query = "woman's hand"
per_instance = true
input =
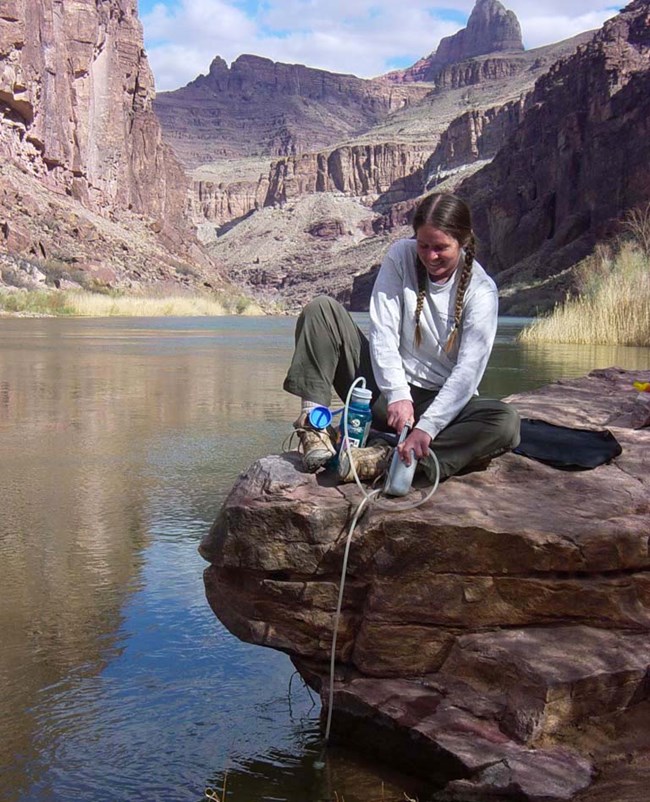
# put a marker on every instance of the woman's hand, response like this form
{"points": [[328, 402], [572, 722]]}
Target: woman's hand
{"points": [[417, 441], [399, 413]]}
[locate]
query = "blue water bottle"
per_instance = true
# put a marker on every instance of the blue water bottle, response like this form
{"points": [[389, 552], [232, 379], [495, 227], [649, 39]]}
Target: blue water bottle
{"points": [[359, 418]]}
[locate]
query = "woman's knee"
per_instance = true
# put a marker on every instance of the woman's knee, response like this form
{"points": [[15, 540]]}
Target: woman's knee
{"points": [[321, 305], [509, 425]]}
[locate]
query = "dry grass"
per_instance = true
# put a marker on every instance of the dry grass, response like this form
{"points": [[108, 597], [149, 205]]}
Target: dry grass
{"points": [[613, 306], [87, 304], [637, 224], [92, 305]]}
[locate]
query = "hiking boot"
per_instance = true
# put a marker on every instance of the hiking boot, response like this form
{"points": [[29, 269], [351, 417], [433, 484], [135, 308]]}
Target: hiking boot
{"points": [[370, 462], [315, 445]]}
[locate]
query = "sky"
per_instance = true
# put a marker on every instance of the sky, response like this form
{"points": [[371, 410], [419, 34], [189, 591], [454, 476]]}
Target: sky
{"points": [[363, 37]]}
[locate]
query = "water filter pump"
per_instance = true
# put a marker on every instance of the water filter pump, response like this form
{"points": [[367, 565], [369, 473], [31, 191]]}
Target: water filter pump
{"points": [[400, 475]]}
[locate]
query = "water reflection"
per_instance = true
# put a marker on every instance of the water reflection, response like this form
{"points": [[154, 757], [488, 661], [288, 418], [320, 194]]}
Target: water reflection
{"points": [[118, 442], [344, 776], [115, 437], [516, 367]]}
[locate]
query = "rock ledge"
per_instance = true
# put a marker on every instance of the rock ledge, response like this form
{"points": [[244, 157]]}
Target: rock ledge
{"points": [[482, 632]]}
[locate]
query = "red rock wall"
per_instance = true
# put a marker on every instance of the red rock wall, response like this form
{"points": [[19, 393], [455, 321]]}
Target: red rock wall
{"points": [[479, 70], [579, 160], [260, 107], [355, 170], [76, 98]]}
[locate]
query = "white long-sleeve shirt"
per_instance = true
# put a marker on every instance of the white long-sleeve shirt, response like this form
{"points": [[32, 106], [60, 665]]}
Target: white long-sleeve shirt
{"points": [[398, 362]]}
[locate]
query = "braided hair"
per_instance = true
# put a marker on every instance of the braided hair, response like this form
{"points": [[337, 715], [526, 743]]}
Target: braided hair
{"points": [[451, 215]]}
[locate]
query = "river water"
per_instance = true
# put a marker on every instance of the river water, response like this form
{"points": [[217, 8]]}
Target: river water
{"points": [[119, 440]]}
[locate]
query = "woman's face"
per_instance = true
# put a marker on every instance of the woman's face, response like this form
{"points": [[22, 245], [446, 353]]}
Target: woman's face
{"points": [[438, 252]]}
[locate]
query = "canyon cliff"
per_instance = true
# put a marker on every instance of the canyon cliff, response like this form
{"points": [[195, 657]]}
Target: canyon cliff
{"points": [[550, 148], [572, 168], [358, 170], [258, 106], [87, 181], [434, 141], [326, 132]]}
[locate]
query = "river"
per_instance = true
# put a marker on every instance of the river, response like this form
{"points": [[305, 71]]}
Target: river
{"points": [[119, 440]]}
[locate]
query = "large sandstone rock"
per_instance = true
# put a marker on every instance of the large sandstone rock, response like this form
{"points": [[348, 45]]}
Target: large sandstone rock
{"points": [[478, 630]]}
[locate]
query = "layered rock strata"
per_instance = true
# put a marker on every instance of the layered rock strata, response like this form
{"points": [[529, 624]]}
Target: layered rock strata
{"points": [[364, 171], [356, 170], [477, 631], [258, 106], [476, 135], [76, 120], [219, 202], [475, 106], [578, 161], [490, 29]]}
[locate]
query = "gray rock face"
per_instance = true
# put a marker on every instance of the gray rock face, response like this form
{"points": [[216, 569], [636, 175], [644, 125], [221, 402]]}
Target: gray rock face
{"points": [[477, 630], [575, 165], [490, 29]]}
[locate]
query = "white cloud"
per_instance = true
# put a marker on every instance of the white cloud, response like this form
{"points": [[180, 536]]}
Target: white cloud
{"points": [[363, 37], [543, 30]]}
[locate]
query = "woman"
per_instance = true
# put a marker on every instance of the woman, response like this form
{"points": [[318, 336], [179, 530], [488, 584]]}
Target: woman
{"points": [[433, 319]]}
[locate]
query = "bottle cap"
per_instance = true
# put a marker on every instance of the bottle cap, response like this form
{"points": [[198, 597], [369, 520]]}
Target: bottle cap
{"points": [[320, 417], [362, 394]]}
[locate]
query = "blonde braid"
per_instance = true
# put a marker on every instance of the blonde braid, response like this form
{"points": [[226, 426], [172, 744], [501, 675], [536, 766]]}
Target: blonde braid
{"points": [[422, 291], [463, 284]]}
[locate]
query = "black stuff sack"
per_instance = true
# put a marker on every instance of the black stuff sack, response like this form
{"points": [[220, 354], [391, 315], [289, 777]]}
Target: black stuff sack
{"points": [[566, 448]]}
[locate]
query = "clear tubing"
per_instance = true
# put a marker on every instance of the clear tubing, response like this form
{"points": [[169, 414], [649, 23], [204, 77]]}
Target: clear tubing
{"points": [[365, 501]]}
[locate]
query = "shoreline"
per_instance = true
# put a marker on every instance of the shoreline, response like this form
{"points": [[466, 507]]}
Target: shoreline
{"points": [[80, 303]]}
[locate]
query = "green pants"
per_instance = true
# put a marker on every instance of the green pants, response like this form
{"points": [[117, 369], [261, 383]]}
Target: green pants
{"points": [[331, 352]]}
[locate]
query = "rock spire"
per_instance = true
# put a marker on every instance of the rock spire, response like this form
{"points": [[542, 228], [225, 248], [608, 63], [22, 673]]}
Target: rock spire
{"points": [[490, 29]]}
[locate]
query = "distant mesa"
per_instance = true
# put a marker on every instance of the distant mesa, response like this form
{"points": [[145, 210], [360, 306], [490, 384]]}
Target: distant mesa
{"points": [[284, 109], [258, 74]]}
